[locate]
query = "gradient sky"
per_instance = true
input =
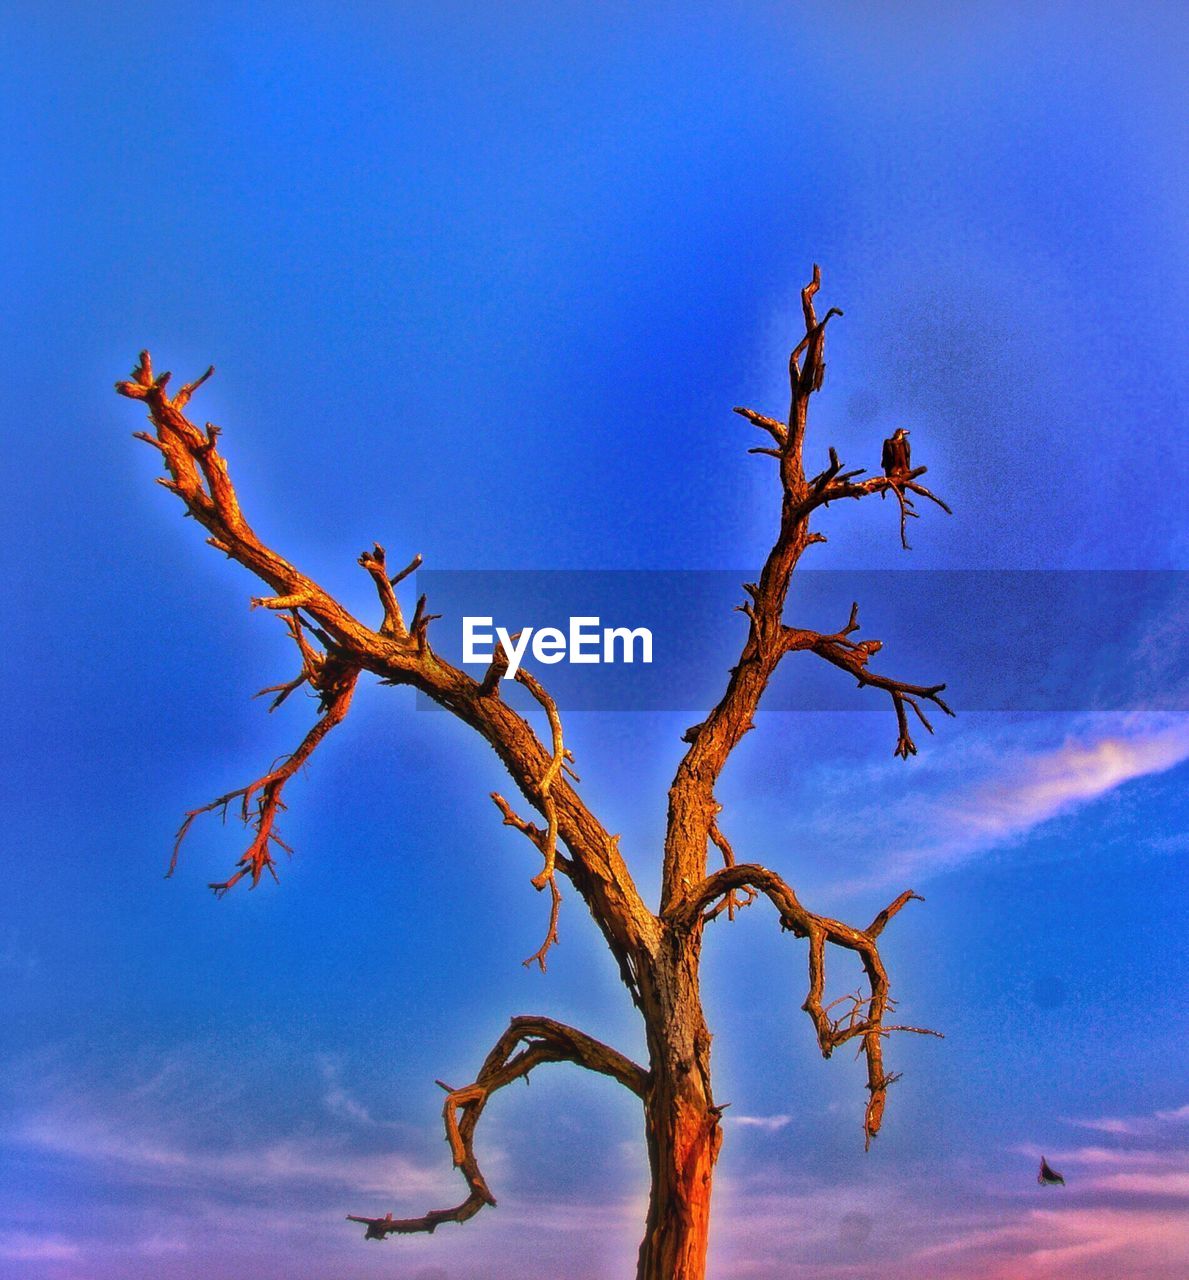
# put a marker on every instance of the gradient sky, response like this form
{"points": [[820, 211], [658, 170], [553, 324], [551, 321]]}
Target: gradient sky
{"points": [[484, 284]]}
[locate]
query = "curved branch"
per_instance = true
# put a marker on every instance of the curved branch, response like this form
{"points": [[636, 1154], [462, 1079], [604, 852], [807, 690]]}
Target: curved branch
{"points": [[334, 678], [548, 844], [734, 899], [198, 475], [864, 1018], [543, 1040]]}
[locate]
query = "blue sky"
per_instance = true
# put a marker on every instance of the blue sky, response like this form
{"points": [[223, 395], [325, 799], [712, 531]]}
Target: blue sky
{"points": [[485, 285]]}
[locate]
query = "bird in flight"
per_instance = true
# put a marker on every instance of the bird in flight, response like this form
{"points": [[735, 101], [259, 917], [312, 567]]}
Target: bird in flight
{"points": [[1048, 1176]]}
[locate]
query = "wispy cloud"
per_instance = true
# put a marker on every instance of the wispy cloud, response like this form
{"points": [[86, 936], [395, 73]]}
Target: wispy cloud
{"points": [[1132, 1126], [1105, 1124], [190, 1169], [173, 1124], [1038, 787], [994, 789], [337, 1099], [28, 1246], [1163, 1182], [1152, 1170], [770, 1124], [1086, 1243], [219, 1205], [1115, 1221], [319, 1161]]}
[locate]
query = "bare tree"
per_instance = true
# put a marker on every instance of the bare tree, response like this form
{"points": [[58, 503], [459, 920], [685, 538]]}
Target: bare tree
{"points": [[658, 953]]}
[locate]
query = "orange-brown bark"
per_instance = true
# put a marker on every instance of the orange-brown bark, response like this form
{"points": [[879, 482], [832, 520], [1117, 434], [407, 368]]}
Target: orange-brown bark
{"points": [[658, 954]]}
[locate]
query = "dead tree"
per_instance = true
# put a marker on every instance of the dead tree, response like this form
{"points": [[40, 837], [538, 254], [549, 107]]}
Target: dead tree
{"points": [[658, 952]]}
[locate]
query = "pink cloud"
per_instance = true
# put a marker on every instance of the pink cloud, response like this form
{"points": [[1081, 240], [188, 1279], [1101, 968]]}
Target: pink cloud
{"points": [[27, 1246], [988, 794]]}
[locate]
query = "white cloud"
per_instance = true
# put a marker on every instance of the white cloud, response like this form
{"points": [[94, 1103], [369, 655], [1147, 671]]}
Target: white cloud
{"points": [[770, 1124], [1044, 786], [337, 1099], [994, 789], [316, 1161], [1106, 1124], [1165, 1182], [919, 1223], [1132, 1126], [179, 1120], [1153, 1171]]}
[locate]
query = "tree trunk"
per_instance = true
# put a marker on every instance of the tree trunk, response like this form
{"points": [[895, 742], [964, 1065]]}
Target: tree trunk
{"points": [[681, 1120]]}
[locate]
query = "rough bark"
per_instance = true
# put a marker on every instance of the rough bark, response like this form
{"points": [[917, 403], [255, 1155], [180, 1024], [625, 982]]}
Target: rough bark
{"points": [[658, 954], [682, 1124]]}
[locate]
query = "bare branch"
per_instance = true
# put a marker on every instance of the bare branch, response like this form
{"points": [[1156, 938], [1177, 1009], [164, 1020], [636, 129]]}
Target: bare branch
{"points": [[692, 805], [854, 660], [411, 567], [335, 680], [497, 669], [829, 487], [549, 845], [657, 956], [551, 937], [373, 562], [419, 627], [865, 1018], [734, 899], [183, 396], [197, 473], [777, 430], [544, 1040], [282, 690], [529, 829], [852, 656], [876, 927]]}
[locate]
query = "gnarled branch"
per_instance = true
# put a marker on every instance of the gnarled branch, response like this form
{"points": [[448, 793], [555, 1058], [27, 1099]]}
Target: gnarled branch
{"points": [[834, 483], [657, 955], [197, 473], [543, 1040], [333, 677], [734, 899], [692, 804], [852, 656], [865, 1017], [374, 562]]}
